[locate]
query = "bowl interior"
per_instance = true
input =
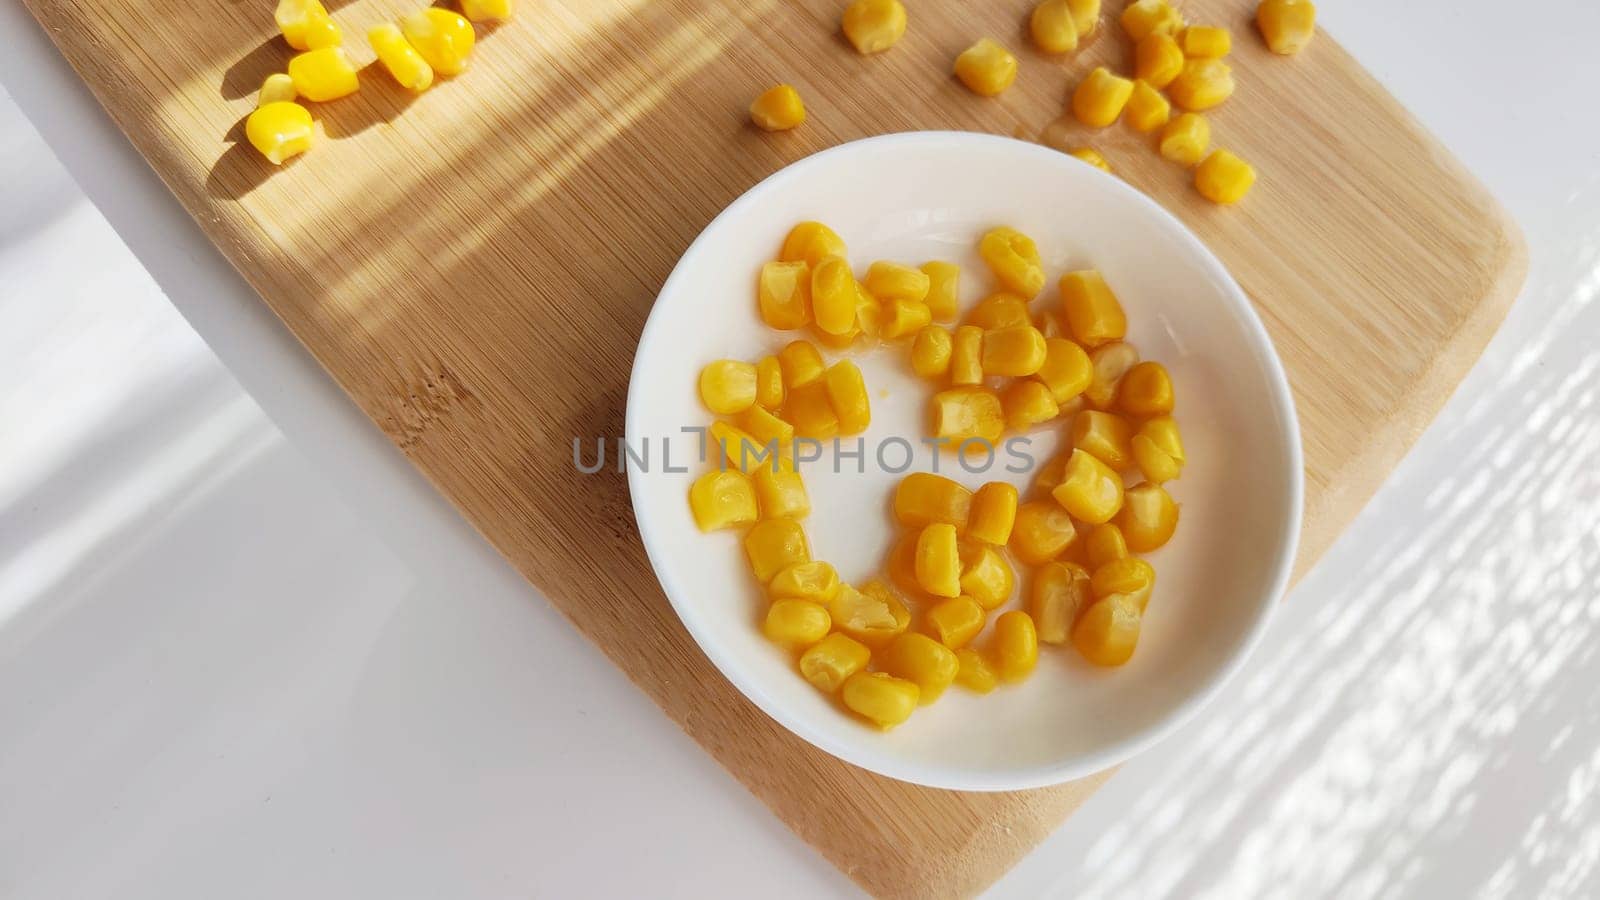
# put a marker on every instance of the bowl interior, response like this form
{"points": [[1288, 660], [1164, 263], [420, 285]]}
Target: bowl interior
{"points": [[929, 196]]}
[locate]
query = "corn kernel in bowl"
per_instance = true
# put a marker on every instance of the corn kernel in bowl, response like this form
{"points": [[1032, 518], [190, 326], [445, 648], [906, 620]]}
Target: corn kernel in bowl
{"points": [[979, 660]]}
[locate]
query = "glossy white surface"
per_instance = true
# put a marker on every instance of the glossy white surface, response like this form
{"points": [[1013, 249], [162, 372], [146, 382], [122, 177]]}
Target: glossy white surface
{"points": [[1240, 494], [1421, 721]]}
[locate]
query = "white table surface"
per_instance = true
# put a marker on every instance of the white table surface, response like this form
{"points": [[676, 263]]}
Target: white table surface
{"points": [[245, 651]]}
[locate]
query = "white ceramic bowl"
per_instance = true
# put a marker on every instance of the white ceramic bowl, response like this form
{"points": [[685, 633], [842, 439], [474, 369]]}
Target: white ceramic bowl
{"points": [[929, 195]]}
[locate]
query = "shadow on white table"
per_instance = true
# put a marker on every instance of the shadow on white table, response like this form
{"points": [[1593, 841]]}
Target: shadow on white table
{"points": [[217, 680]]}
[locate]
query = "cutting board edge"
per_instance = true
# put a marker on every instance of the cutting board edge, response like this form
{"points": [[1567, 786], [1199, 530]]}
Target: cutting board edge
{"points": [[1348, 492]]}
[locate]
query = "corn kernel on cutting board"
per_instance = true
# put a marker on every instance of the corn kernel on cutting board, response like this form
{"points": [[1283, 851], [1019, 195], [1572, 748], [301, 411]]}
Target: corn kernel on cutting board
{"points": [[474, 265]]}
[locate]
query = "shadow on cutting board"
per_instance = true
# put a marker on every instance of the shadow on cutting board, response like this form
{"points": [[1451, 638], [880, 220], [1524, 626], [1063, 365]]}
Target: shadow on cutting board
{"points": [[527, 275], [240, 169]]}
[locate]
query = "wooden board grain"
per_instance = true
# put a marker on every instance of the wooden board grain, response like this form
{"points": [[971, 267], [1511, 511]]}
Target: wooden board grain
{"points": [[474, 266]]}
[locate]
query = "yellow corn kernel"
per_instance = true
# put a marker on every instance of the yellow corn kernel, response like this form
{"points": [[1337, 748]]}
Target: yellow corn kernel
{"points": [[880, 698], [1049, 475], [903, 317], [974, 672], [1154, 463], [968, 414], [811, 413], [1149, 517], [796, 623], [815, 581], [832, 660], [1014, 259], [944, 279], [1085, 16], [902, 565], [833, 295], [486, 10], [323, 74], [1092, 312], [1091, 156], [778, 108], [1206, 41], [442, 37], [1072, 407], [1146, 17], [1104, 435], [923, 498], [1104, 543], [985, 575], [966, 347], [930, 352], [1223, 177], [847, 393], [728, 386], [1202, 84], [1026, 404], [277, 88], [956, 621], [892, 281], [873, 26], [1108, 631], [1091, 490], [742, 451], [740, 448], [1146, 390], [1147, 109], [1286, 25], [769, 383], [774, 545], [1000, 310], [873, 615], [869, 312], [938, 560], [1060, 591], [1015, 351], [279, 130], [1053, 28], [845, 340], [1066, 370], [722, 498], [784, 294], [1042, 533], [402, 61], [1110, 363], [780, 492], [1157, 59], [810, 243], [925, 662], [841, 341], [305, 24], [986, 68], [993, 512], [1016, 645], [1185, 139], [800, 363], [1158, 449], [1129, 575]]}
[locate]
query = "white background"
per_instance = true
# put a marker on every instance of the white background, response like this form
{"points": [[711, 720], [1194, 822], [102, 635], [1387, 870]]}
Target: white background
{"points": [[245, 651]]}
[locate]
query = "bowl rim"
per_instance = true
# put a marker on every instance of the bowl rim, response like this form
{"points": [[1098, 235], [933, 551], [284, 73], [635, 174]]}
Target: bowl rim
{"points": [[959, 777]]}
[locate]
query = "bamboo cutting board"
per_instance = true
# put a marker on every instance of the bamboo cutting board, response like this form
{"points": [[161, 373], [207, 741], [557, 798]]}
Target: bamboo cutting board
{"points": [[474, 266]]}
